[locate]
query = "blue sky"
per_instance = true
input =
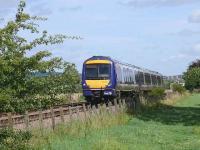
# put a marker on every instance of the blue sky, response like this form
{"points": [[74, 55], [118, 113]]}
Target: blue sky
{"points": [[162, 35]]}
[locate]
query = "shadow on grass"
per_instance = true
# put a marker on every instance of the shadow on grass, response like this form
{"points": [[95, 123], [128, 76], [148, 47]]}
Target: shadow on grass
{"points": [[172, 115]]}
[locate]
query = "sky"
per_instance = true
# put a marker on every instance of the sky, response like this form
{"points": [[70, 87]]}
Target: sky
{"points": [[161, 35]]}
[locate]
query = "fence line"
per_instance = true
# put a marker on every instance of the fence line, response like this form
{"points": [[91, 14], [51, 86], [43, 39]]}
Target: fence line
{"points": [[55, 115]]}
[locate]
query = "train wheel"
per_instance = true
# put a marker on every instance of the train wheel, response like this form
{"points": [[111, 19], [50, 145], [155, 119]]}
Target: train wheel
{"points": [[88, 99]]}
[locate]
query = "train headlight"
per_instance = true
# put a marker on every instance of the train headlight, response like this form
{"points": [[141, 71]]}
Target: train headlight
{"points": [[107, 93], [85, 85]]}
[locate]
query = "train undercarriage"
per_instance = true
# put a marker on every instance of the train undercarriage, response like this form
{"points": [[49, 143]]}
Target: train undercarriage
{"points": [[128, 95]]}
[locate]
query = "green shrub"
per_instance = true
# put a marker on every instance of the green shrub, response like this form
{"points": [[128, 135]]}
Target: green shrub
{"points": [[14, 140], [5, 98], [167, 84], [178, 88], [157, 93], [192, 79]]}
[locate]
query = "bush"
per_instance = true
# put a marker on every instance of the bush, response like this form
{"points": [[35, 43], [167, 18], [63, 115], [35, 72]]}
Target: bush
{"points": [[157, 93], [14, 140], [5, 98], [178, 88], [167, 84], [192, 79]]}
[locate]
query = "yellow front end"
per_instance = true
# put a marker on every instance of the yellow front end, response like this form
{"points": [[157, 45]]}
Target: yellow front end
{"points": [[97, 84]]}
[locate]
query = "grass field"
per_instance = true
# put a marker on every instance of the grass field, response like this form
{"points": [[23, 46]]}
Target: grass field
{"points": [[175, 127]]}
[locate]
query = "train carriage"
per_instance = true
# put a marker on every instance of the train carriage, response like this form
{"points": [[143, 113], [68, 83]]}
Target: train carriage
{"points": [[103, 77]]}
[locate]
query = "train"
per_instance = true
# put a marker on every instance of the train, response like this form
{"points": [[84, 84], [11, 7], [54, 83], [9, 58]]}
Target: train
{"points": [[104, 78]]}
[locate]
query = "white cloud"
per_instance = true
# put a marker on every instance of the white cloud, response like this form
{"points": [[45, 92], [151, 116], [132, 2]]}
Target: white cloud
{"points": [[156, 3], [176, 57], [195, 17], [186, 33], [179, 56], [194, 51]]}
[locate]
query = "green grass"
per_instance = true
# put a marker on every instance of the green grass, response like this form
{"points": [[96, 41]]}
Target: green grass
{"points": [[192, 101], [167, 127]]}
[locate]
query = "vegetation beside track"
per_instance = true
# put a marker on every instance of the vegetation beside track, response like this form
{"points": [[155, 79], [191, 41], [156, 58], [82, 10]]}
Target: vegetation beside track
{"points": [[30, 77], [67, 136], [169, 126]]}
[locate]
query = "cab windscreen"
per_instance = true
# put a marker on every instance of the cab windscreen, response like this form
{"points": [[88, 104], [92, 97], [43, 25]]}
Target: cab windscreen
{"points": [[97, 72]]}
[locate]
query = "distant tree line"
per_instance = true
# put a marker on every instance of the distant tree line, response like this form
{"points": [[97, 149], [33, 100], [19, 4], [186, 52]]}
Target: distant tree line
{"points": [[20, 89]]}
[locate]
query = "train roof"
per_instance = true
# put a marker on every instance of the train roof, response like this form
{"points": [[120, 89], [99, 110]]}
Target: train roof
{"points": [[99, 58], [139, 68], [122, 63]]}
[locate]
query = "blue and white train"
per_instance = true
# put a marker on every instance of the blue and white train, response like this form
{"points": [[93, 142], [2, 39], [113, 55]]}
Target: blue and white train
{"points": [[103, 77]]}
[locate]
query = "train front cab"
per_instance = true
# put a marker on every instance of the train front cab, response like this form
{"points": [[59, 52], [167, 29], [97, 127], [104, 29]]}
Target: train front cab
{"points": [[98, 80]]}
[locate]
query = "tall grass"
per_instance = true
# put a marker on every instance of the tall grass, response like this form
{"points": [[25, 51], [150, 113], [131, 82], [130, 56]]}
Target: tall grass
{"points": [[151, 104], [176, 97], [78, 129], [163, 128]]}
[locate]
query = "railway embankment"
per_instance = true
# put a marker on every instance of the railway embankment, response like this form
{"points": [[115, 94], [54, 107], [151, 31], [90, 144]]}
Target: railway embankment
{"points": [[166, 125], [169, 126], [77, 125]]}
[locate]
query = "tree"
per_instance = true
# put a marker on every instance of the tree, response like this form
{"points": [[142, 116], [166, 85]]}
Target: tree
{"points": [[17, 68], [178, 88], [194, 64], [192, 78], [52, 86]]}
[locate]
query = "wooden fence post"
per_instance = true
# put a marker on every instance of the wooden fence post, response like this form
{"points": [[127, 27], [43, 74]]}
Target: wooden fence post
{"points": [[103, 108], [10, 121], [115, 103], [94, 111], [123, 102], [89, 110], [70, 113], [98, 105], [110, 107], [120, 103], [84, 110], [26, 120], [52, 118], [70, 97], [40, 119], [139, 101], [62, 115], [98, 108], [77, 112], [134, 105], [123, 107]]}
